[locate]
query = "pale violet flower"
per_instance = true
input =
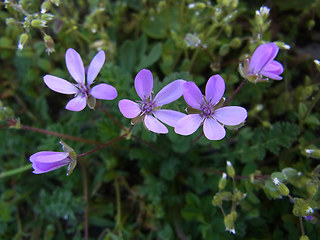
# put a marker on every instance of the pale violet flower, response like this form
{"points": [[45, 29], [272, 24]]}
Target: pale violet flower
{"points": [[84, 94], [208, 110], [149, 109], [262, 63], [46, 161]]}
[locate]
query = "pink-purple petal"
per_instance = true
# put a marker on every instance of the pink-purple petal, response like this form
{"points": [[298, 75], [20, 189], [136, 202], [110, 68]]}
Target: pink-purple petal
{"points": [[95, 66], [192, 95], [169, 93], [59, 85], [215, 89], [232, 115], [129, 109], [75, 65], [77, 104], [48, 156], [41, 167], [188, 124], [167, 116], [273, 70], [263, 55], [154, 125], [104, 91], [143, 83], [213, 130]]}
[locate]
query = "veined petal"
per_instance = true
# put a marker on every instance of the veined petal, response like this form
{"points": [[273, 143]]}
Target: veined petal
{"points": [[48, 156], [41, 167], [59, 85], [95, 66], [263, 55], [104, 91], [129, 109], [188, 124], [215, 89], [154, 125], [77, 104], [232, 115], [143, 83], [75, 65], [167, 116], [169, 93], [192, 95], [273, 70], [213, 130]]}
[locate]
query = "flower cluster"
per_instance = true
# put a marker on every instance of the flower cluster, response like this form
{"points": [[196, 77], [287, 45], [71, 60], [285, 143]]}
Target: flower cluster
{"points": [[208, 110]]}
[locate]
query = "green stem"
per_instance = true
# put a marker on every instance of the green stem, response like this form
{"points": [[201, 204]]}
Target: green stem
{"points": [[15, 171], [301, 226]]}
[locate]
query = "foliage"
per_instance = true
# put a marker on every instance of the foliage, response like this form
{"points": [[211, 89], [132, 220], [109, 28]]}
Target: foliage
{"points": [[149, 186]]}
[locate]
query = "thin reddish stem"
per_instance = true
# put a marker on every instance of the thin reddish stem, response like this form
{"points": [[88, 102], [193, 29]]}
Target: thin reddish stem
{"points": [[235, 92], [61, 135]]}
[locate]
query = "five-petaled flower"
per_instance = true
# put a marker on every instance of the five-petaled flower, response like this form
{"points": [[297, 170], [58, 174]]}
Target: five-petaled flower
{"points": [[262, 63], [149, 109], [208, 110], [83, 93], [46, 161]]}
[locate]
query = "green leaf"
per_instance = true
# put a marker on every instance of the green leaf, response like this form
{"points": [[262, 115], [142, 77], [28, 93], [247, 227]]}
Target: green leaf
{"points": [[151, 58]]}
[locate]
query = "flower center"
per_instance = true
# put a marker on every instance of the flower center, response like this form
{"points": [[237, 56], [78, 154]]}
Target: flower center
{"points": [[147, 107], [207, 110], [83, 90]]}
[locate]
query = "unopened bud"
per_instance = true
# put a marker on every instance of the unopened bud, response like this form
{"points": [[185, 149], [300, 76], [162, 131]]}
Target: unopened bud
{"points": [[47, 16], [197, 6], [223, 181], [283, 189], [10, 21], [49, 43], [45, 6], [38, 23], [264, 11], [192, 40], [304, 237], [301, 208], [216, 200], [230, 169], [235, 43], [317, 63], [282, 45], [229, 221], [313, 152], [23, 40]]}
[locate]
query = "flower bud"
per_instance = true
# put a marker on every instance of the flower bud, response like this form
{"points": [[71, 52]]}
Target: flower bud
{"points": [[304, 237], [229, 221], [197, 6], [216, 200], [224, 50], [235, 43], [317, 63], [47, 16], [45, 6], [223, 181], [230, 169], [38, 23], [301, 208], [312, 188], [56, 2], [22, 40], [313, 152], [192, 40], [10, 21]]}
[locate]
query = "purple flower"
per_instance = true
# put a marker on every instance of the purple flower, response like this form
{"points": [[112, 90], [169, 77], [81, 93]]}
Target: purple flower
{"points": [[83, 93], [207, 110], [149, 109], [47, 161], [262, 63]]}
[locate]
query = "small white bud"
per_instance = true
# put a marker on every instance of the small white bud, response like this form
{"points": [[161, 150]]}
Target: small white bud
{"points": [[276, 181]]}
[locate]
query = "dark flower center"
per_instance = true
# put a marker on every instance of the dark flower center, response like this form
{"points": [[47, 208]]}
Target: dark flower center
{"points": [[207, 110], [83, 90], [147, 107]]}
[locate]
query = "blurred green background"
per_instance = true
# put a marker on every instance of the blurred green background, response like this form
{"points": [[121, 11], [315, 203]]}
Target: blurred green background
{"points": [[159, 186]]}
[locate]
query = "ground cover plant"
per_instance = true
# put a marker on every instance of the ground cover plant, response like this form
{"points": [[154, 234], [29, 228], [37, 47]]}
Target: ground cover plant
{"points": [[142, 119]]}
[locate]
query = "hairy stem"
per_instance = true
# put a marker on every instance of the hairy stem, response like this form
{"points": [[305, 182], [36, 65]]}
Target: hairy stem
{"points": [[43, 131], [15, 171]]}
